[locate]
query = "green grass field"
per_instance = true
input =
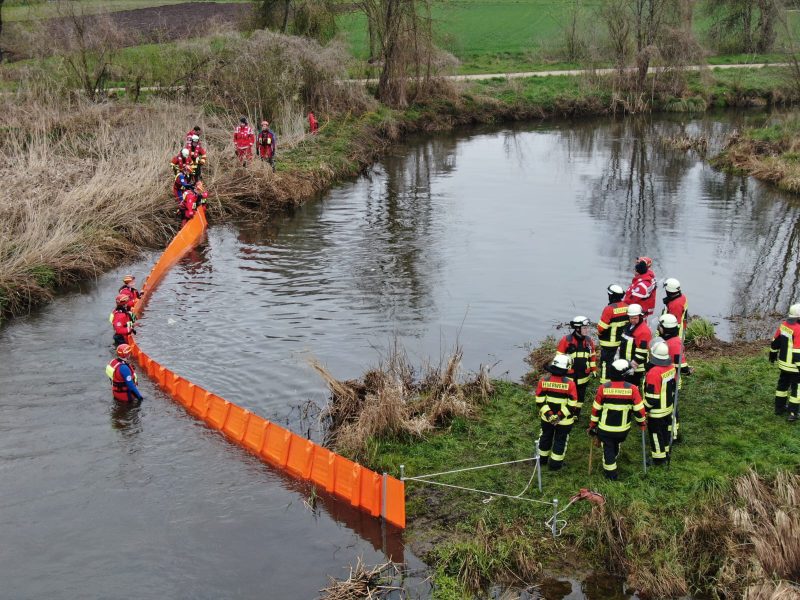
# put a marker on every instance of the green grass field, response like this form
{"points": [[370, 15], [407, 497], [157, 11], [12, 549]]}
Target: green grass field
{"points": [[23, 10], [727, 424]]}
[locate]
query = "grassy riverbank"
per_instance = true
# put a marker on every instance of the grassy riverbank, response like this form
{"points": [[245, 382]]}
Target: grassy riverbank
{"points": [[89, 184], [770, 153], [674, 531]]}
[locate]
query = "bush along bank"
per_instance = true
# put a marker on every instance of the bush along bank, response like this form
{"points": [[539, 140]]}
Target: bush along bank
{"points": [[61, 155], [770, 153], [721, 520]]}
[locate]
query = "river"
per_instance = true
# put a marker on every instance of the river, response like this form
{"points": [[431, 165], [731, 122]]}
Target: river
{"points": [[486, 237]]}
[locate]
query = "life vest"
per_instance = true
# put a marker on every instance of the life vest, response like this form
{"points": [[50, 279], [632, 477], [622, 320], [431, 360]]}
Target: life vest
{"points": [[121, 321], [642, 291], [119, 388]]}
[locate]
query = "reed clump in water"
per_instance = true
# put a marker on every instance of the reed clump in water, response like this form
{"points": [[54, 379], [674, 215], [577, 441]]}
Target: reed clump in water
{"points": [[363, 582], [389, 401]]}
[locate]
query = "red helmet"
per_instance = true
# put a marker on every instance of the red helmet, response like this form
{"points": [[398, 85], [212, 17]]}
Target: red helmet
{"points": [[124, 350], [646, 260], [123, 298]]}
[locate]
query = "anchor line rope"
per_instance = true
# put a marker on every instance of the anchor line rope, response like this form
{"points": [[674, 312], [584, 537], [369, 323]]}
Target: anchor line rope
{"points": [[469, 489], [508, 462]]}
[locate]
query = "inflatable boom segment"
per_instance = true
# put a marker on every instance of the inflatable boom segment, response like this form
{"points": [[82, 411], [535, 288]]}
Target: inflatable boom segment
{"points": [[378, 495]]}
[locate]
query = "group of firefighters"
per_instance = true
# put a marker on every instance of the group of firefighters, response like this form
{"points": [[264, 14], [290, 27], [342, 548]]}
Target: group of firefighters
{"points": [[640, 375]]}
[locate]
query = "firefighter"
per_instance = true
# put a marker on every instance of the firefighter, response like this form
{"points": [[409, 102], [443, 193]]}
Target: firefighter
{"points": [[127, 288], [180, 161], [579, 346], [635, 344], [267, 144], [556, 397], [642, 289], [611, 414], [194, 131], [123, 376], [668, 330], [197, 155], [675, 303], [609, 328], [785, 349], [122, 320], [243, 140], [313, 125], [187, 206], [184, 181], [659, 395]]}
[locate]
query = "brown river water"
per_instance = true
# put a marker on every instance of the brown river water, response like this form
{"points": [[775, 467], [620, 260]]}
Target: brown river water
{"points": [[488, 237]]}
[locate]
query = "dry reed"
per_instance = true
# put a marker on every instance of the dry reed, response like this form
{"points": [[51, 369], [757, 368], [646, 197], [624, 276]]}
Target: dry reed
{"points": [[363, 582], [388, 401]]}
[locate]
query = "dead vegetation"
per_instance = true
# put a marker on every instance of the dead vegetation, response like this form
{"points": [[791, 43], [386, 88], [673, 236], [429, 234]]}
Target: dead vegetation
{"points": [[684, 143], [389, 401], [538, 358], [770, 160], [363, 582]]}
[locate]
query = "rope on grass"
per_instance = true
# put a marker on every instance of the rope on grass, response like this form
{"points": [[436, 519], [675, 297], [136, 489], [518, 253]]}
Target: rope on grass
{"points": [[469, 489]]}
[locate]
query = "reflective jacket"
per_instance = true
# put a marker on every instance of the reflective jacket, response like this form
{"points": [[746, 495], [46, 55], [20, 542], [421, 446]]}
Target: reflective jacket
{"points": [[786, 345], [642, 291], [678, 307], [557, 394], [584, 356], [267, 143], [613, 404], [178, 163], [123, 380], [612, 320], [659, 390], [132, 293], [243, 137], [635, 344]]}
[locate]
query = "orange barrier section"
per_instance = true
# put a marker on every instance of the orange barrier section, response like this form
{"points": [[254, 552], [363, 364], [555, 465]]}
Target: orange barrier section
{"points": [[378, 495]]}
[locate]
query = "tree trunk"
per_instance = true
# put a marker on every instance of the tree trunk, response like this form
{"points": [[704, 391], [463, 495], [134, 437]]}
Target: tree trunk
{"points": [[1, 28], [285, 25]]}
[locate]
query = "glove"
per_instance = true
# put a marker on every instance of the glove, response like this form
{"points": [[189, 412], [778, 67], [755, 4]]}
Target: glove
{"points": [[592, 431], [772, 358]]}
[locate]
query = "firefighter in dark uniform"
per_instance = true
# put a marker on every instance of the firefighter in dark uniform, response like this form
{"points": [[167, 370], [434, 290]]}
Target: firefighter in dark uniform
{"points": [[785, 349], [579, 346], [659, 393], [609, 328], [613, 405], [635, 344], [556, 399]]}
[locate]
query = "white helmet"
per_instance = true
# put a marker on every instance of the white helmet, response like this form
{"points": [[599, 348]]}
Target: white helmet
{"points": [[562, 361], [794, 310], [620, 365], [634, 310], [579, 321], [185, 153], [668, 321], [615, 290], [195, 138], [659, 354], [672, 285]]}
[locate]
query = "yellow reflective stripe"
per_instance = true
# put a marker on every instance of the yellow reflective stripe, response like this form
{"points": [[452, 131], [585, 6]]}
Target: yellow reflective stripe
{"points": [[110, 372], [609, 343], [602, 324], [553, 385], [660, 412]]}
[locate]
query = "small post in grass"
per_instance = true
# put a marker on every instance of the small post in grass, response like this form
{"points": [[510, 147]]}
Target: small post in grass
{"points": [[402, 472], [644, 454], [538, 466], [554, 525]]}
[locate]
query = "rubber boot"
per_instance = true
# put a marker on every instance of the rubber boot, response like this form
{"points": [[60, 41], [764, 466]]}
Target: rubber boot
{"points": [[792, 417], [780, 406], [610, 475]]}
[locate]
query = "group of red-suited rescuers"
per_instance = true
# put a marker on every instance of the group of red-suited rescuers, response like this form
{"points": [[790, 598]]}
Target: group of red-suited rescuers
{"points": [[190, 194], [640, 374]]}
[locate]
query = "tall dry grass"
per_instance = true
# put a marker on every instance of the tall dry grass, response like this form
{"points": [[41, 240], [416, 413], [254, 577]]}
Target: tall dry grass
{"points": [[390, 401]]}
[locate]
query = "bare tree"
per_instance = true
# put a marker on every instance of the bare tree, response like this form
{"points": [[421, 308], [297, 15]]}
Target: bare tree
{"points": [[744, 25], [1, 28], [90, 44], [615, 15]]}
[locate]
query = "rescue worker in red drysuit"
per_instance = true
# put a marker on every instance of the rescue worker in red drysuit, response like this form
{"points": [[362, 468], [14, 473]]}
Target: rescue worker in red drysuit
{"points": [[182, 160], [675, 303], [609, 328], [635, 345], [579, 346], [130, 291], [122, 321], [642, 290], [659, 396], [266, 144], [312, 123], [187, 206], [785, 349], [668, 330], [557, 399], [613, 405], [123, 376], [243, 140], [194, 131], [197, 155], [184, 181]]}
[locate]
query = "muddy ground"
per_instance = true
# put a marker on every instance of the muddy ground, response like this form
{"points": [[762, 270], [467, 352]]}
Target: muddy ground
{"points": [[156, 24]]}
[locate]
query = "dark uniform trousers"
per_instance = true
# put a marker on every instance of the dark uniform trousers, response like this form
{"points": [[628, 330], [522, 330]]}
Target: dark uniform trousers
{"points": [[787, 390], [611, 441], [658, 432], [553, 444]]}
